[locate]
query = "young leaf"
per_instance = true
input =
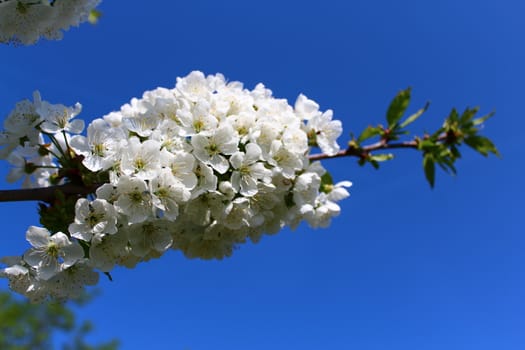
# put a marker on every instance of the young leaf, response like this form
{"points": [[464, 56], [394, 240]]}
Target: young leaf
{"points": [[429, 168], [467, 115], [382, 157], [415, 116], [482, 144], [397, 107], [369, 132], [481, 120]]}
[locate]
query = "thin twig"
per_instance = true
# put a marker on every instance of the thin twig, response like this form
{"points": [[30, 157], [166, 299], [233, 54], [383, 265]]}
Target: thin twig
{"points": [[362, 152]]}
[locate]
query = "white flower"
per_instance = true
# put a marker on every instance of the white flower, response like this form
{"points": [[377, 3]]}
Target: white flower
{"points": [[22, 21], [212, 149], [26, 163], [197, 119], [321, 213], [17, 272], [109, 250], [134, 199], [306, 188], [199, 168], [142, 124], [25, 21], [20, 126], [97, 217], [181, 165], [338, 191], [168, 193], [170, 136], [244, 124], [198, 210], [57, 118], [265, 135], [22, 280], [102, 147], [70, 283], [114, 119], [141, 159], [237, 214], [23, 119], [248, 170], [196, 86], [327, 131], [148, 236], [207, 181], [295, 140], [305, 108], [284, 160], [50, 254], [226, 188], [108, 192]]}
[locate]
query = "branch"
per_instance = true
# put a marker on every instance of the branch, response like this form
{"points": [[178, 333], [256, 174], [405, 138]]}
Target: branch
{"points": [[438, 148], [364, 152], [45, 194]]}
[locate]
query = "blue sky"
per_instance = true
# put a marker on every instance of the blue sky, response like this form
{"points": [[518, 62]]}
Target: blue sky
{"points": [[404, 266]]}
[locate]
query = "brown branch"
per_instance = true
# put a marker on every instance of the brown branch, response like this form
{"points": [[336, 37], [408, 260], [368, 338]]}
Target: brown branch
{"points": [[364, 151], [48, 194], [45, 194]]}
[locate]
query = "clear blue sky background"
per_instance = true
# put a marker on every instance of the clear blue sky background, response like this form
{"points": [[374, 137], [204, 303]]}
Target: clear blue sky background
{"points": [[404, 266]]}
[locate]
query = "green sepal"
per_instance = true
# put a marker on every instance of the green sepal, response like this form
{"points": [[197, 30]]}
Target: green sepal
{"points": [[426, 144], [108, 275], [288, 199], [327, 183]]}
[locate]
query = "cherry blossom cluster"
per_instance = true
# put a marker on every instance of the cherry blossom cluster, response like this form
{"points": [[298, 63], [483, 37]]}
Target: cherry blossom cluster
{"points": [[200, 168], [25, 21]]}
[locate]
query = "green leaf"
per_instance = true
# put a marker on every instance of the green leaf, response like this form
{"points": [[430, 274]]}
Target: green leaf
{"points": [[454, 151], [452, 117], [481, 120], [415, 116], [397, 107], [369, 132], [382, 157], [467, 115], [482, 145], [447, 164], [429, 168], [374, 163]]}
